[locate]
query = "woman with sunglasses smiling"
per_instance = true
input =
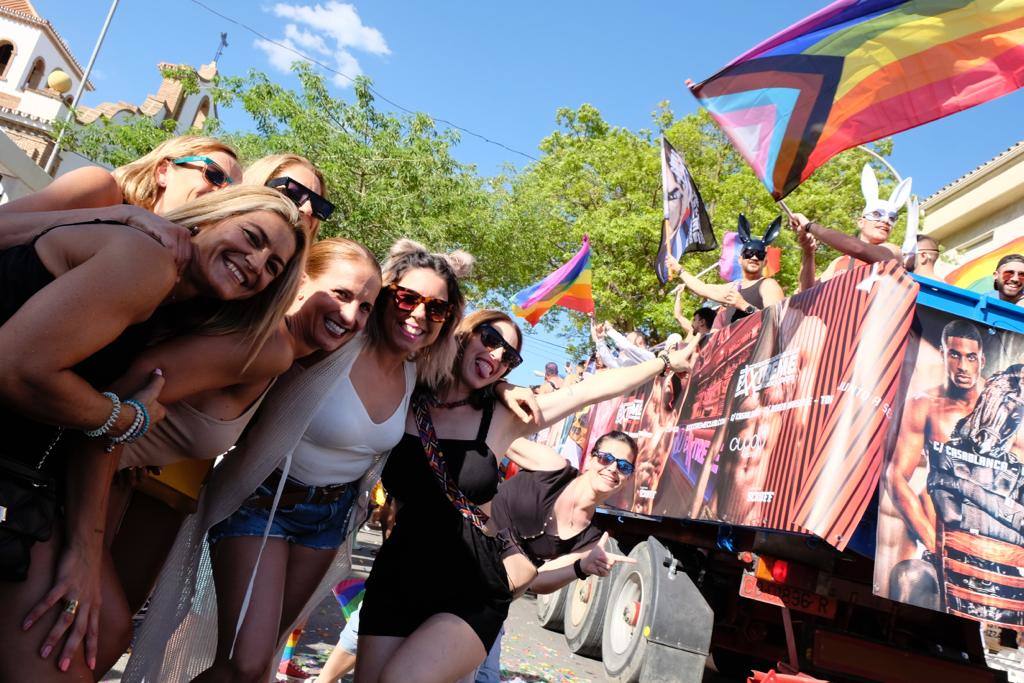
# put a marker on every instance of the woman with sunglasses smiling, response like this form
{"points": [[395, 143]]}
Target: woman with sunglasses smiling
{"points": [[313, 447], [176, 172], [74, 300], [298, 179], [444, 474]]}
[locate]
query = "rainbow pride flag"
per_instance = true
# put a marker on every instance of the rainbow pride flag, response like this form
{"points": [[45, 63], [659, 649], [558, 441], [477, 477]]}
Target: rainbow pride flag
{"points": [[857, 71], [976, 274], [729, 260], [569, 286], [349, 594]]}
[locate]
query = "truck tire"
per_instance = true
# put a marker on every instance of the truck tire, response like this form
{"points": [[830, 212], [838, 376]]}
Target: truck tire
{"points": [[632, 595], [585, 605], [551, 610]]}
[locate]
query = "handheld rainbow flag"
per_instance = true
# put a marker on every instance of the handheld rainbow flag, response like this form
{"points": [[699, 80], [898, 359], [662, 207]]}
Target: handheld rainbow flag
{"points": [[569, 286], [349, 594], [729, 260], [857, 71], [976, 274]]}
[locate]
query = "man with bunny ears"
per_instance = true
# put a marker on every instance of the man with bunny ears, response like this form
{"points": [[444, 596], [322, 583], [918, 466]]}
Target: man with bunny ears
{"points": [[752, 291], [871, 244]]}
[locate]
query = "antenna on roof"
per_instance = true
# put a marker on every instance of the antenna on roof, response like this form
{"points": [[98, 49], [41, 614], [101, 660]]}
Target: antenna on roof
{"points": [[220, 48]]}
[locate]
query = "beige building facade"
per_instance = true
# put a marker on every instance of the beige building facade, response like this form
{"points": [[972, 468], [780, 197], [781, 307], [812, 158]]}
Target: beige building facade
{"points": [[978, 212]]}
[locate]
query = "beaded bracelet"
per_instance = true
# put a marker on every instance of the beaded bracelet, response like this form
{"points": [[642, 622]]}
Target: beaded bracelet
{"points": [[138, 428], [663, 357], [115, 412]]}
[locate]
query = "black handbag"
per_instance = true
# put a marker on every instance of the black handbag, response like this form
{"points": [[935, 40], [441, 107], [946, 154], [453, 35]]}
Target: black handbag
{"points": [[28, 508]]}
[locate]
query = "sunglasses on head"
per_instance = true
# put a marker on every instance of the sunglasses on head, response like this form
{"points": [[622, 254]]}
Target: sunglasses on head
{"points": [[492, 339], [407, 300], [214, 174], [880, 216], [625, 467], [300, 194], [1008, 275], [752, 252]]}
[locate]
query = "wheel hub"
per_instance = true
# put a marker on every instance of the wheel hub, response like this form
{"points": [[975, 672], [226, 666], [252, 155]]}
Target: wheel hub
{"points": [[631, 613]]}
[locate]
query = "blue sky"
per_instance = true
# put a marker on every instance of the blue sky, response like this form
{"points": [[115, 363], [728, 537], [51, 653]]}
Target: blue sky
{"points": [[500, 69]]}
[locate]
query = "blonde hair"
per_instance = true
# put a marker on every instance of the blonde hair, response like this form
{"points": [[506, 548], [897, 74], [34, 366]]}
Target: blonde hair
{"points": [[433, 364], [325, 252], [137, 179], [463, 331], [262, 171], [258, 316]]}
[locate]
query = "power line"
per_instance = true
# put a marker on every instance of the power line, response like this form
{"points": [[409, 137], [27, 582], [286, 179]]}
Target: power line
{"points": [[372, 89]]}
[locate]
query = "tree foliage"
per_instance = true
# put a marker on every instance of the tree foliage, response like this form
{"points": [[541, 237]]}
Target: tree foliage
{"points": [[394, 176]]}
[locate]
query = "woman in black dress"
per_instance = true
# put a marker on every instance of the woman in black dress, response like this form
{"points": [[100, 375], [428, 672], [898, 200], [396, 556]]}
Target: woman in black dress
{"points": [[439, 592], [71, 306]]}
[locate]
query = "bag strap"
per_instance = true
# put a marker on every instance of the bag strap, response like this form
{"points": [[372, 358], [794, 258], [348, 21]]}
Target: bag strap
{"points": [[428, 437]]}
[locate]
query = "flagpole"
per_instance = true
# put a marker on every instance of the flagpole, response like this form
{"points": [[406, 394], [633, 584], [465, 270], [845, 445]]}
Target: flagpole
{"points": [[81, 87]]}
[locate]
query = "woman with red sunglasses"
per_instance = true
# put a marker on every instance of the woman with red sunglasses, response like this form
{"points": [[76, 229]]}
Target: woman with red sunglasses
{"points": [[444, 474]]}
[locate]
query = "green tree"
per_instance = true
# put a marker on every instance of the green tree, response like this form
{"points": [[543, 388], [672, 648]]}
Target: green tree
{"points": [[605, 181]]}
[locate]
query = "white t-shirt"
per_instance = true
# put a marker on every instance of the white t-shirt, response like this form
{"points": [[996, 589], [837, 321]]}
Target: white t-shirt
{"points": [[342, 441]]}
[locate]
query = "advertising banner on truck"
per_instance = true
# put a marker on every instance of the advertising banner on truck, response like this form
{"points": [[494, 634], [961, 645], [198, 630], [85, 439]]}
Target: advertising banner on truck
{"points": [[783, 421], [951, 502]]}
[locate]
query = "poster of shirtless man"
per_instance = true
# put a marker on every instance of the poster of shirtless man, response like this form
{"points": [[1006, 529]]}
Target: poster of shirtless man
{"points": [[951, 510]]}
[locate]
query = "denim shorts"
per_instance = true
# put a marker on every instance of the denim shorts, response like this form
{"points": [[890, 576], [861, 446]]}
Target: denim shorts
{"points": [[321, 526]]}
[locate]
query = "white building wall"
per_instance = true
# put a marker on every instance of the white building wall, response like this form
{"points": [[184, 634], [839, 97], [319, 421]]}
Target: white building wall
{"points": [[991, 232], [26, 39]]}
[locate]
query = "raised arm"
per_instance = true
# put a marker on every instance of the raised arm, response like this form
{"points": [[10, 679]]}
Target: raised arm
{"points": [[808, 267], [847, 244], [533, 456], [719, 293], [677, 312]]}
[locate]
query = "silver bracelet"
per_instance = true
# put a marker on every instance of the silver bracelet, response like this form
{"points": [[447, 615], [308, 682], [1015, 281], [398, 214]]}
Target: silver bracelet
{"points": [[114, 414]]}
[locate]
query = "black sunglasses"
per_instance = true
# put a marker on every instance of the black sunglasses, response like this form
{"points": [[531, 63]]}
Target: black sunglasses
{"points": [[751, 252], [606, 458], [492, 339], [437, 310], [300, 194]]}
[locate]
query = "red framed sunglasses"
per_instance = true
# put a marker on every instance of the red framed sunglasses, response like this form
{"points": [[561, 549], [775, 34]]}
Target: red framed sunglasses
{"points": [[407, 300]]}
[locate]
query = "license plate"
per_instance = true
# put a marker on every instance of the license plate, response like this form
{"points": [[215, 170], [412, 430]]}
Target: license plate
{"points": [[781, 595]]}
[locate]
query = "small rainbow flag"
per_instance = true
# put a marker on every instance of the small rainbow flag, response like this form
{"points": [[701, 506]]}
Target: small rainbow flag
{"points": [[349, 594], [976, 274], [859, 70], [729, 261], [569, 286]]}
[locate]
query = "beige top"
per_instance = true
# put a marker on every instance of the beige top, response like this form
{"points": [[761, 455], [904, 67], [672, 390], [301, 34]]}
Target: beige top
{"points": [[186, 433]]}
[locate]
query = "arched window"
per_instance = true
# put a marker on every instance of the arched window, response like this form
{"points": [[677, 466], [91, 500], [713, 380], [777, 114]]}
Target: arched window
{"points": [[35, 76], [202, 113], [6, 57]]}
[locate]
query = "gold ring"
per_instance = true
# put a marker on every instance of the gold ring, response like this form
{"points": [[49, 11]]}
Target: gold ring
{"points": [[71, 606]]}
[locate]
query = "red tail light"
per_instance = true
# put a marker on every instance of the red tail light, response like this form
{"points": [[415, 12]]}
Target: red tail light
{"points": [[780, 570]]}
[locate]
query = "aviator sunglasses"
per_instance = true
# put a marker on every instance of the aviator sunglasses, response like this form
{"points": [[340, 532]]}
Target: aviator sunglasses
{"points": [[300, 194], [406, 300], [1008, 275], [214, 174], [492, 339], [605, 458]]}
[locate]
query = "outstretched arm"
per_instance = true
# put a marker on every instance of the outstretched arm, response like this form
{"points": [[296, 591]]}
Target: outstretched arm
{"points": [[847, 244], [719, 293]]}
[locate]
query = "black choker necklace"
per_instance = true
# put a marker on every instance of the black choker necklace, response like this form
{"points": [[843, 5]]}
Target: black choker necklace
{"points": [[452, 404]]}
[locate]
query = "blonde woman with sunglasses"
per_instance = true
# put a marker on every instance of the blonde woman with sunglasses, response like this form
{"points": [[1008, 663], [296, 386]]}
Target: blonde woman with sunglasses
{"points": [[298, 179], [177, 171]]}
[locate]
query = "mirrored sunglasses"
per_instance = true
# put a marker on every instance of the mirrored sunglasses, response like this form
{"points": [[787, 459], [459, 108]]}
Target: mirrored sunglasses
{"points": [[625, 467], [492, 339], [752, 252], [407, 300], [214, 174], [1009, 274], [300, 194]]}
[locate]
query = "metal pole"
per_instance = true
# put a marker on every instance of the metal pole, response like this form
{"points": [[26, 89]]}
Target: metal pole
{"points": [[81, 86], [878, 156]]}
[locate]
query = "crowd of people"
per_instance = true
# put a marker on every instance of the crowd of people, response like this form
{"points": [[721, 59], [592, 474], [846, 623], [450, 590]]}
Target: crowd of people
{"points": [[181, 310]]}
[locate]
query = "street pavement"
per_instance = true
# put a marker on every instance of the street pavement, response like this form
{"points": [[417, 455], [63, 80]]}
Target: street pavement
{"points": [[530, 654]]}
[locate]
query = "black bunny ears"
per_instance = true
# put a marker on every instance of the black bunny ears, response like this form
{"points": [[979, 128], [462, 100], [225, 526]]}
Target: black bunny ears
{"points": [[743, 230]]}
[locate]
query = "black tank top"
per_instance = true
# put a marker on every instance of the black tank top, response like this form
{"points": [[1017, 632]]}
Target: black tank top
{"points": [[22, 275], [471, 465], [752, 295]]}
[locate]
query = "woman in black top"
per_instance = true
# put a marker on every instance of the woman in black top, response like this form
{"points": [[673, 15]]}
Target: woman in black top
{"points": [[439, 592], [547, 516], [71, 303]]}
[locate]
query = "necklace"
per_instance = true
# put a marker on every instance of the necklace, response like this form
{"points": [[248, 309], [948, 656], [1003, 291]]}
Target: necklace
{"points": [[572, 515], [451, 404]]}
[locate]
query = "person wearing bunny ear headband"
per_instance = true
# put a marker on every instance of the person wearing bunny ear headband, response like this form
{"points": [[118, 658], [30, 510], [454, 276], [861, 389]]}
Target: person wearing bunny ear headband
{"points": [[874, 227], [753, 291]]}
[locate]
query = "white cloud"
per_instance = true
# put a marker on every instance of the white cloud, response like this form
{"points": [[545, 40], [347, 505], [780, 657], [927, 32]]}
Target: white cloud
{"points": [[339, 20], [332, 30]]}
